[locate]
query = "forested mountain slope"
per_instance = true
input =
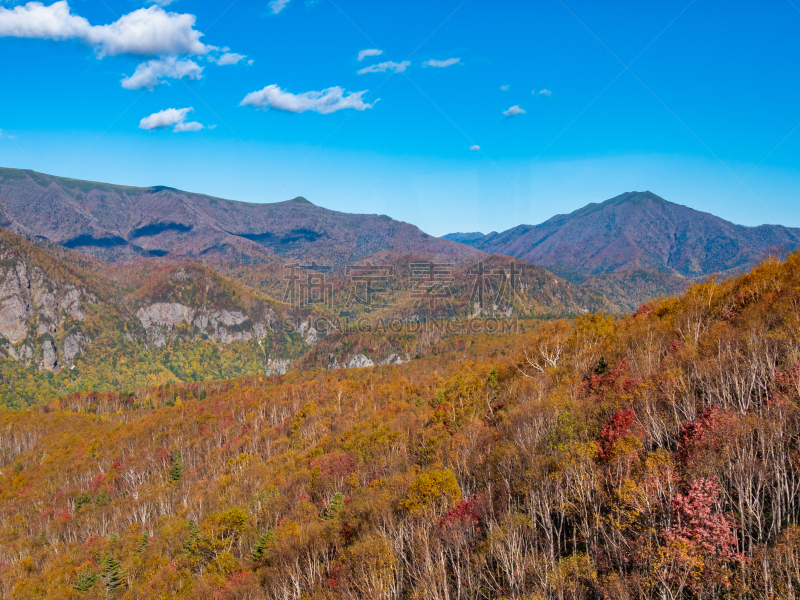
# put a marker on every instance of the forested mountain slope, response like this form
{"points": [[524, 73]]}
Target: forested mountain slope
{"points": [[634, 233], [70, 323], [639, 230], [536, 291], [653, 456], [66, 327], [114, 222]]}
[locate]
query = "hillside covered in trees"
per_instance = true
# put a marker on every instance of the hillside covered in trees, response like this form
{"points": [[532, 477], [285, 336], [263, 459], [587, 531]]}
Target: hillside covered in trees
{"points": [[70, 323], [650, 456]]}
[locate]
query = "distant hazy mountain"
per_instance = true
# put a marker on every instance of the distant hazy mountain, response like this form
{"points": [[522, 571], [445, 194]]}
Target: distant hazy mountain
{"points": [[114, 222], [467, 238], [638, 230]]}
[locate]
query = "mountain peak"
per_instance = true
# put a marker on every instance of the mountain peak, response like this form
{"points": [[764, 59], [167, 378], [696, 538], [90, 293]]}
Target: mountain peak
{"points": [[639, 230], [641, 196], [632, 198], [301, 200]]}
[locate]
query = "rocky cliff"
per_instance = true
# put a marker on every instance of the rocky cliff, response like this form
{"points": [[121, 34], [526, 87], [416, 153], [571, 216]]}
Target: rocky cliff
{"points": [[57, 317], [191, 302], [42, 307]]}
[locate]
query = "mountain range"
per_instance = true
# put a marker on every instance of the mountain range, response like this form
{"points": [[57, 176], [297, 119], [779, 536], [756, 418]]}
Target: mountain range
{"points": [[113, 223], [118, 223], [635, 231], [108, 288]]}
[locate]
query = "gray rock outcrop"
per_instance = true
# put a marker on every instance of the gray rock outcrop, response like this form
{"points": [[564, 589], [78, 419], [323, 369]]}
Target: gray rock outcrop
{"points": [[359, 361], [49, 357], [36, 309], [332, 362], [277, 366], [393, 359], [223, 326]]}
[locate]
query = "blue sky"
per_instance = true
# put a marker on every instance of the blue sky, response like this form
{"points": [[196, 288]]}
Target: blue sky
{"points": [[705, 115]]}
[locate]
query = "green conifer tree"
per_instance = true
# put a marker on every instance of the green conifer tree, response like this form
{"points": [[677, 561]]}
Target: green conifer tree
{"points": [[602, 366], [262, 547], [177, 467], [336, 504], [194, 535], [86, 581], [112, 574]]}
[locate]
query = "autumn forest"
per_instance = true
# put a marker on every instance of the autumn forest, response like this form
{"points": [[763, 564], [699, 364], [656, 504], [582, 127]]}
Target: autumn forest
{"points": [[648, 456]]}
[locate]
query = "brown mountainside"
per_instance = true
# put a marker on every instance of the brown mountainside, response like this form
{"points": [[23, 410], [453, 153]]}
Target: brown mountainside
{"points": [[70, 323], [642, 458], [638, 230], [114, 222]]}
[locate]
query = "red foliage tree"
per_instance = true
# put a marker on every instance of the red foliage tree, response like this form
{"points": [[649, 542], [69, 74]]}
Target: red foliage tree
{"points": [[699, 524], [618, 427], [695, 434], [610, 384]]}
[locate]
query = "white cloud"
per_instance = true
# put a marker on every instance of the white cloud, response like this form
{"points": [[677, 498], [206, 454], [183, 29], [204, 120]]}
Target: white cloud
{"points": [[214, 126], [170, 117], [474, 148], [250, 62], [188, 126], [278, 5], [504, 88], [441, 63], [325, 102], [150, 73], [229, 58], [369, 52], [385, 66], [545, 92], [165, 118], [514, 110], [146, 31]]}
